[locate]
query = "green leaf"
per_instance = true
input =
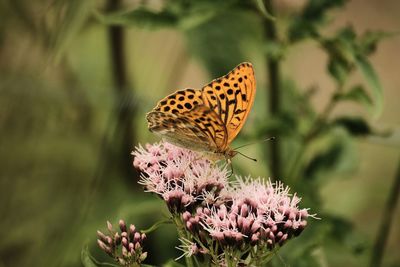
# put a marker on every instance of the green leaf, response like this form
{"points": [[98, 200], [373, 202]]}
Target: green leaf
{"points": [[372, 78], [261, 7], [370, 39], [356, 126], [326, 161], [356, 94], [140, 17], [339, 70], [86, 258], [156, 226]]}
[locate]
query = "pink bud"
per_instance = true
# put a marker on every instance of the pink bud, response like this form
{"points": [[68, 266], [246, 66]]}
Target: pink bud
{"points": [[288, 224], [125, 242], [122, 225], [244, 210], [132, 229], [102, 236], [186, 216], [117, 239], [136, 237]]}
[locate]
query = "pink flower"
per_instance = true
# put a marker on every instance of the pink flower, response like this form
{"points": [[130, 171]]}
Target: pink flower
{"points": [[180, 176], [246, 212]]}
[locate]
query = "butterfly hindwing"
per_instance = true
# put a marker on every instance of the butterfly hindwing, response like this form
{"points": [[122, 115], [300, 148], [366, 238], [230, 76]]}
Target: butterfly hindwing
{"points": [[199, 128], [181, 101]]}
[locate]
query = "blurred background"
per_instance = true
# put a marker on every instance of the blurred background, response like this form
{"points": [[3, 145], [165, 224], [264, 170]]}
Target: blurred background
{"points": [[77, 78]]}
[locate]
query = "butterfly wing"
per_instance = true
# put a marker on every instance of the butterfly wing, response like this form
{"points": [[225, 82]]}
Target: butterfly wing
{"points": [[207, 119], [180, 102], [198, 128], [231, 97]]}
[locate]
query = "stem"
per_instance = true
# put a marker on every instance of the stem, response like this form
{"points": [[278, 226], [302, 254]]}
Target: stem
{"points": [[182, 234], [386, 223], [123, 105], [274, 92]]}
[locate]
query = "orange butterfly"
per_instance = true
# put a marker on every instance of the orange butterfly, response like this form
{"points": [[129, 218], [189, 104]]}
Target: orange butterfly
{"points": [[207, 120]]}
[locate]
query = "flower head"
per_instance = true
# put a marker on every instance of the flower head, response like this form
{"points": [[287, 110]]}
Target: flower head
{"points": [[243, 214], [181, 177], [124, 245]]}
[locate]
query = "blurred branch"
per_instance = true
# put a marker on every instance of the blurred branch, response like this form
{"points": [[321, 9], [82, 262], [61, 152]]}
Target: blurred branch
{"points": [[386, 223], [274, 92], [123, 105]]}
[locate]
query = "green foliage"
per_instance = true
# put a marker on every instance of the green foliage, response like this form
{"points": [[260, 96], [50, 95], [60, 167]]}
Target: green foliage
{"points": [[86, 258], [356, 94], [356, 126]]}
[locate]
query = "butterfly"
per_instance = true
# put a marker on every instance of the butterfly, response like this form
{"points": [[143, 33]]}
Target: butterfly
{"points": [[207, 119]]}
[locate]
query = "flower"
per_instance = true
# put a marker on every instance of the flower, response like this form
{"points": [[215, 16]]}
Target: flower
{"points": [[179, 176], [247, 214], [125, 246]]}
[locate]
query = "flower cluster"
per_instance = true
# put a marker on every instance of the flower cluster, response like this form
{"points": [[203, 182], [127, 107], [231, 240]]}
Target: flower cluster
{"points": [[125, 246], [181, 177], [219, 216]]}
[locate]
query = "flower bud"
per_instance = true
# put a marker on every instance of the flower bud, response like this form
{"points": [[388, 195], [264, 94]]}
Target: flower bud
{"points": [[117, 239], [122, 225], [110, 227], [143, 237], [104, 247], [101, 236], [143, 256], [125, 242], [136, 237]]}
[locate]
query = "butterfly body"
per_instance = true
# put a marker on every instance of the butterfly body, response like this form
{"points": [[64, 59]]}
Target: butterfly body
{"points": [[207, 119]]}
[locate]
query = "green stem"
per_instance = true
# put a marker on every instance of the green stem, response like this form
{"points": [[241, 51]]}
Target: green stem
{"points": [[386, 222], [274, 70], [182, 234]]}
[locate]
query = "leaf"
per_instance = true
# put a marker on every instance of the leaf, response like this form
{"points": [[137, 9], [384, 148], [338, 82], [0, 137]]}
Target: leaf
{"points": [[339, 70], [372, 78], [156, 225], [86, 258], [325, 161], [356, 126], [356, 94], [263, 10], [313, 15], [370, 39], [140, 17]]}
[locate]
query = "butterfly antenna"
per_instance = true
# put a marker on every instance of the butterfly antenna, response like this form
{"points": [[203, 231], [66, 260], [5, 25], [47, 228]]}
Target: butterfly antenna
{"points": [[264, 140], [253, 159]]}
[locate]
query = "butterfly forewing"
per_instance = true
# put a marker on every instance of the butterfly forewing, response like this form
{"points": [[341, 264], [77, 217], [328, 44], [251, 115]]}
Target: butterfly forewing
{"points": [[231, 97]]}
